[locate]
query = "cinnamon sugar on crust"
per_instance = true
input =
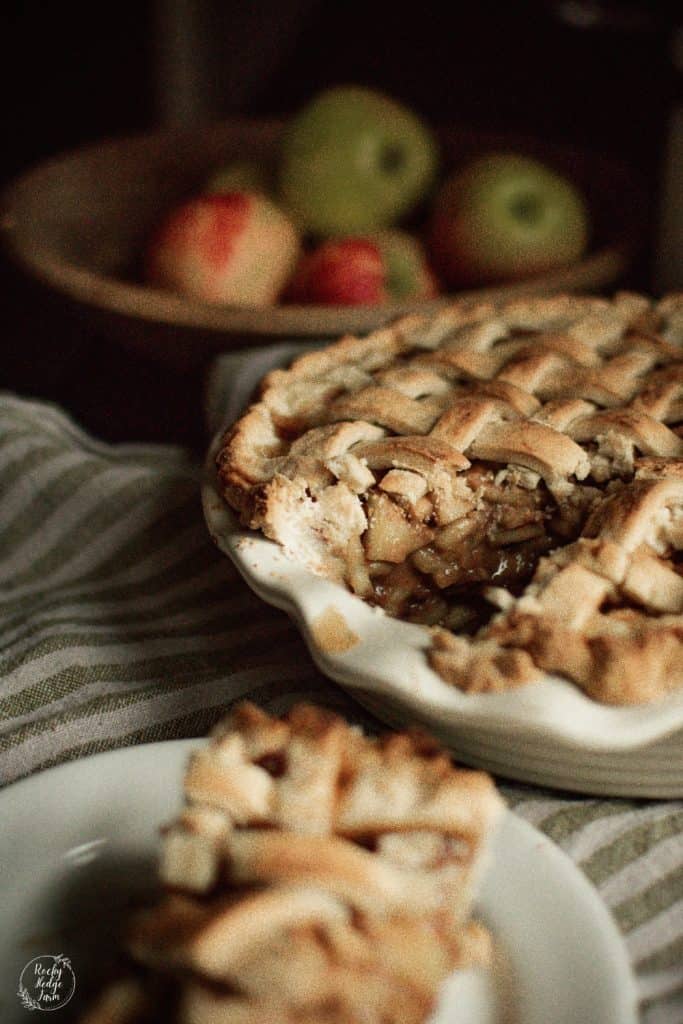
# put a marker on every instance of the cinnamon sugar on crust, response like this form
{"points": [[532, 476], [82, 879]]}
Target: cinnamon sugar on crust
{"points": [[314, 874], [486, 471]]}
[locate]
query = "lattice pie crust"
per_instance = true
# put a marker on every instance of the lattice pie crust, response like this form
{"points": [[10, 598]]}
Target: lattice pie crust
{"points": [[314, 875], [510, 476]]}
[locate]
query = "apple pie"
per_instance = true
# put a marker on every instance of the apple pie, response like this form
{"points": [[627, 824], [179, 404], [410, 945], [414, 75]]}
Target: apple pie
{"points": [[313, 875], [510, 476]]}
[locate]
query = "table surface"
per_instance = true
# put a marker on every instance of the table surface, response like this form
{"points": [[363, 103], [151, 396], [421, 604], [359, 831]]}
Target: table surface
{"points": [[122, 624]]}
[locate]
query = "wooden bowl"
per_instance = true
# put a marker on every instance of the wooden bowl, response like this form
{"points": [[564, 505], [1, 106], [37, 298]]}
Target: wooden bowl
{"points": [[78, 223]]}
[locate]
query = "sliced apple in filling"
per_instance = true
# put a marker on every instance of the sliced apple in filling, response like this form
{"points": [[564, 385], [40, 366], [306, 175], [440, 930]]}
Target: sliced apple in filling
{"points": [[392, 534], [433, 572]]}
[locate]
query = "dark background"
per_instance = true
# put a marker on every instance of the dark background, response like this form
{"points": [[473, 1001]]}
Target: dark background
{"points": [[598, 75]]}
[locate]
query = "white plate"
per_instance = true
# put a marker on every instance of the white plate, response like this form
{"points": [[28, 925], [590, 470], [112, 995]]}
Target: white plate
{"points": [[78, 847], [547, 733]]}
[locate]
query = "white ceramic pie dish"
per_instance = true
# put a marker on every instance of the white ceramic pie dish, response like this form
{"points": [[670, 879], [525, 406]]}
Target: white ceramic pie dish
{"points": [[547, 733]]}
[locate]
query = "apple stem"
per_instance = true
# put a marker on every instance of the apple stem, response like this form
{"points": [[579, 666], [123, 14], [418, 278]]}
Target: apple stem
{"points": [[391, 158], [526, 207]]}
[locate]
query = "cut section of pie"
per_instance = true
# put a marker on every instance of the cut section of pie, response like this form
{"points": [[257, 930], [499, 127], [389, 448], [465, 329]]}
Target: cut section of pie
{"points": [[510, 476], [314, 874]]}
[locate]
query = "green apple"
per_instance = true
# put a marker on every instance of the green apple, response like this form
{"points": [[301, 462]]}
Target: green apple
{"points": [[408, 275], [240, 176], [504, 217], [353, 161]]}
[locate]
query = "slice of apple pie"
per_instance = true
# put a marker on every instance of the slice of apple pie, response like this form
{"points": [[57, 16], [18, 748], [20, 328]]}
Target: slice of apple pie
{"points": [[314, 875], [511, 476]]}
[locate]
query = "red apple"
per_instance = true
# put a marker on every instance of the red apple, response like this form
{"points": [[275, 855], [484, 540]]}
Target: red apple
{"points": [[344, 272], [505, 217], [371, 270], [234, 247]]}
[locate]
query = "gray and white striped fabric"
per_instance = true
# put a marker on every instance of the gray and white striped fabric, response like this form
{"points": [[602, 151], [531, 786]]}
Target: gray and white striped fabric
{"points": [[120, 623]]}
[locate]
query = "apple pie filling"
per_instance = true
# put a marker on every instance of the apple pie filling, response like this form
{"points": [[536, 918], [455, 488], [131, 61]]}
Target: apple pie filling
{"points": [[433, 573]]}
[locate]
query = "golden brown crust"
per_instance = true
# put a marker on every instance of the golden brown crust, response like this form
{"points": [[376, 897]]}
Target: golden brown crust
{"points": [[314, 874], [480, 448]]}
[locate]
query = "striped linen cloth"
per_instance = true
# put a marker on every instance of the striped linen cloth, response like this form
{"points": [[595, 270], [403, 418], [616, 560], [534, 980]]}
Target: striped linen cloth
{"points": [[122, 624]]}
